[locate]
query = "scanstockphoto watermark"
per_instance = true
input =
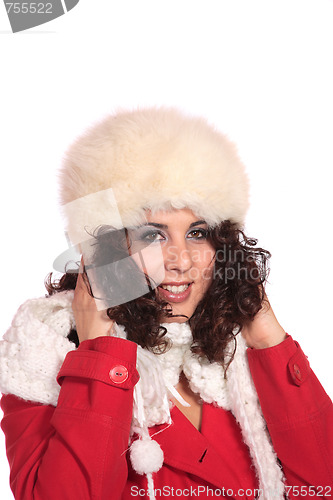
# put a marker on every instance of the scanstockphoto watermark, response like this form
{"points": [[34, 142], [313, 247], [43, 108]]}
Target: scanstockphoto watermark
{"points": [[222, 255], [117, 278], [227, 264], [25, 15], [237, 272], [208, 492], [198, 491], [225, 275]]}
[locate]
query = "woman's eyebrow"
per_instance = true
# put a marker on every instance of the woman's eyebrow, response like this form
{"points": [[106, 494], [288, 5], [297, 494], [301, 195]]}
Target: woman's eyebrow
{"points": [[164, 226], [198, 223], [155, 224]]}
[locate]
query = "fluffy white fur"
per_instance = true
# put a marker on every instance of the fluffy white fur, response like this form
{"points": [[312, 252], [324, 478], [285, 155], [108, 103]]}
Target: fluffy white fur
{"points": [[146, 456], [41, 325], [154, 158]]}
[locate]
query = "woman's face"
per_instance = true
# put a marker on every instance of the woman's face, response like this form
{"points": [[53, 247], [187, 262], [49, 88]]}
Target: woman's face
{"points": [[187, 258]]}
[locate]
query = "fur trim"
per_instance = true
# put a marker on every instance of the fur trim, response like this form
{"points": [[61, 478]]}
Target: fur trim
{"points": [[247, 411], [156, 159]]}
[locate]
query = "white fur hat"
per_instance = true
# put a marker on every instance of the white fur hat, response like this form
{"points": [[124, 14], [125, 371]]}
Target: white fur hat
{"points": [[153, 158]]}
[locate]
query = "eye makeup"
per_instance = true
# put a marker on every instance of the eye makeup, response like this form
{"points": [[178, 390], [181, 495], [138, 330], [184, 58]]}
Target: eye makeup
{"points": [[151, 232], [147, 234], [201, 234]]}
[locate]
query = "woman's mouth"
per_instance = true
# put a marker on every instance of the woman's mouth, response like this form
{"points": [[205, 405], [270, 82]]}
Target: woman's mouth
{"points": [[175, 293]]}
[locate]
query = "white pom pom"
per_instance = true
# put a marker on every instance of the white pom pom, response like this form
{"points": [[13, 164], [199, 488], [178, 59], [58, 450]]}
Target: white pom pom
{"points": [[146, 456]]}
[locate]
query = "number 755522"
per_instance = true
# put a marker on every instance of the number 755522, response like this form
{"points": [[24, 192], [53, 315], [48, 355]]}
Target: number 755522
{"points": [[29, 8]]}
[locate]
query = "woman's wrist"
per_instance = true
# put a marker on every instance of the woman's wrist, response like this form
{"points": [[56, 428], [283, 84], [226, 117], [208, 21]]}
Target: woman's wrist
{"points": [[264, 330], [270, 340]]}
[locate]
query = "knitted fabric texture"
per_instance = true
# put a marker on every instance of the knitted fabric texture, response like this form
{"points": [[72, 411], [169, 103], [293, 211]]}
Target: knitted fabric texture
{"points": [[41, 326], [34, 348], [205, 378]]}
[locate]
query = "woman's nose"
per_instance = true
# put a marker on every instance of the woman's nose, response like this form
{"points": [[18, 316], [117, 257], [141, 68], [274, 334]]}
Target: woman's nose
{"points": [[177, 258]]}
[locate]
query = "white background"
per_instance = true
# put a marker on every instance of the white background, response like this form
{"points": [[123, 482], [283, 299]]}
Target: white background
{"points": [[260, 70]]}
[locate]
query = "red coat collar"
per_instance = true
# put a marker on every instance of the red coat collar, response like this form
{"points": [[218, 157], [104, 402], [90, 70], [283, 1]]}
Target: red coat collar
{"points": [[209, 454]]}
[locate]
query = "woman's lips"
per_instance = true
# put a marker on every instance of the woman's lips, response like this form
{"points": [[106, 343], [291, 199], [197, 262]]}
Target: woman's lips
{"points": [[173, 295]]}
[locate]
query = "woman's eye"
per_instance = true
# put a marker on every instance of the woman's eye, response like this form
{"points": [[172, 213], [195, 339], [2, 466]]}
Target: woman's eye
{"points": [[198, 234], [151, 236]]}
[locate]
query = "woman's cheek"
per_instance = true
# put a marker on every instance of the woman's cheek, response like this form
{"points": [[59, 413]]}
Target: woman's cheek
{"points": [[208, 267], [150, 261]]}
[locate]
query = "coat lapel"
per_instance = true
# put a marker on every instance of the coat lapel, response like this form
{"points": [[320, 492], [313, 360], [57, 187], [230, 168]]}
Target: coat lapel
{"points": [[189, 450]]}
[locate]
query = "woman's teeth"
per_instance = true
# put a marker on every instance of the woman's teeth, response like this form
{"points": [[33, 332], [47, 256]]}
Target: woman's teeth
{"points": [[175, 289]]}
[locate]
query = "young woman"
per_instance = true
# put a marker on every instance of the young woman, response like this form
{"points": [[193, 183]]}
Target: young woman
{"points": [[159, 369]]}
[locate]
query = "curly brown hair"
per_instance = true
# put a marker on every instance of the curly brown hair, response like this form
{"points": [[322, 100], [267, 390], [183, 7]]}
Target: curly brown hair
{"points": [[233, 298]]}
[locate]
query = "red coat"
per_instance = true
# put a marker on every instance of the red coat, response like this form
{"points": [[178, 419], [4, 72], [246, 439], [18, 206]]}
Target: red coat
{"points": [[78, 449]]}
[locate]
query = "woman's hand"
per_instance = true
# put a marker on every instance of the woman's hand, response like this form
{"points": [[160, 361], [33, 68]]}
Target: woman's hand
{"points": [[90, 323], [264, 330]]}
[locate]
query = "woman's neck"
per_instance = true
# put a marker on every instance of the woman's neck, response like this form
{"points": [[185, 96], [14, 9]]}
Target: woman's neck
{"points": [[194, 412]]}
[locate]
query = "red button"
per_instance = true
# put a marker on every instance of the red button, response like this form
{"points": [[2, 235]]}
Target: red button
{"points": [[118, 374]]}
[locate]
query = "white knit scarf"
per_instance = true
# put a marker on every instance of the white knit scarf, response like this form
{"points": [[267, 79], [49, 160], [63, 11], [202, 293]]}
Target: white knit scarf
{"points": [[159, 374], [42, 325]]}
